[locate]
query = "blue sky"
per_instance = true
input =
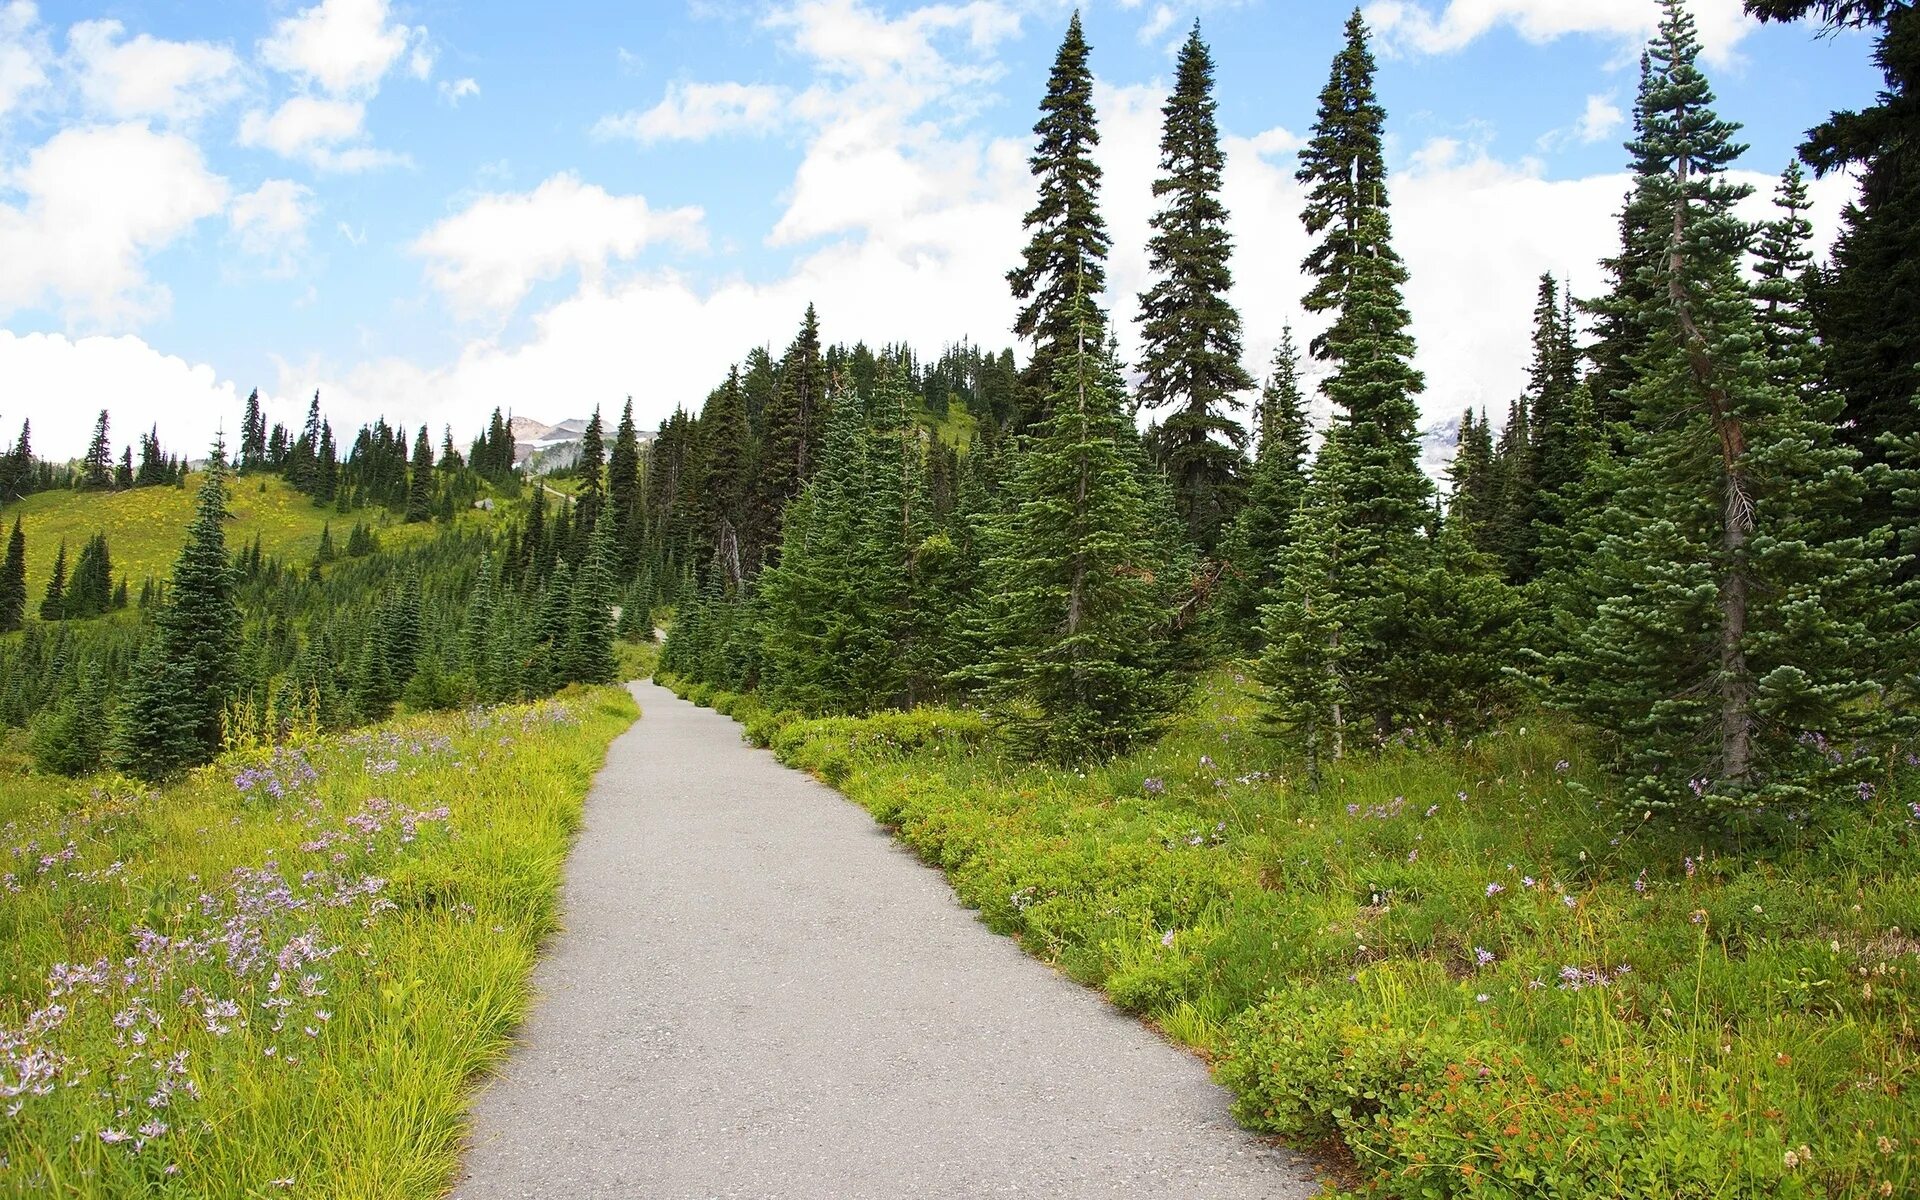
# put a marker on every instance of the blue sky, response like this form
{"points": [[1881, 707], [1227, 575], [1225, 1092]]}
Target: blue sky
{"points": [[427, 209]]}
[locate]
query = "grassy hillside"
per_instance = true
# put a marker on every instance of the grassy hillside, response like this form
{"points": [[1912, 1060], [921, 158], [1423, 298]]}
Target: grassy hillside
{"points": [[1445, 965], [281, 975], [146, 527]]}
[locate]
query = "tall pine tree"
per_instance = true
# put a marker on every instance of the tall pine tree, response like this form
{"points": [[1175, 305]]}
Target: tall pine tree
{"points": [[1190, 332], [1067, 250]]}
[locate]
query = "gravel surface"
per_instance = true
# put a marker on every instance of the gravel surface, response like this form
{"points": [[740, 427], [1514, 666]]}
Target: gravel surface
{"points": [[759, 994]]}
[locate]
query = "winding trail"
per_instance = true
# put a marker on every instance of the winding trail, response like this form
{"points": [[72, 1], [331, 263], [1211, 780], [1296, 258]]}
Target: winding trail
{"points": [[758, 994]]}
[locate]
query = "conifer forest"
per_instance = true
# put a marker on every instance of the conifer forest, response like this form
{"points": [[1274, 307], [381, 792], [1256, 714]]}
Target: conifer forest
{"points": [[1549, 826]]}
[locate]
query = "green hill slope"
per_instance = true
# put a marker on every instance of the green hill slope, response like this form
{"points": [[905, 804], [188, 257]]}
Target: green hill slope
{"points": [[145, 527]]}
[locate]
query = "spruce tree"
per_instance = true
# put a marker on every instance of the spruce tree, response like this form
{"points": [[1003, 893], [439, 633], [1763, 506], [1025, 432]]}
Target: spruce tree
{"points": [[589, 653], [1868, 310], [420, 485], [1067, 250], [96, 470], [1344, 170], [172, 717], [1254, 546], [1383, 502], [795, 423], [623, 494], [13, 581], [253, 435], [53, 605], [1190, 359], [592, 469], [1743, 631], [1303, 667], [1784, 264], [726, 484], [1078, 666]]}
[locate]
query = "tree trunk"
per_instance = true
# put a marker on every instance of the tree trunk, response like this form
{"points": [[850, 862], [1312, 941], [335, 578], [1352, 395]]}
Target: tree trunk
{"points": [[1735, 682]]}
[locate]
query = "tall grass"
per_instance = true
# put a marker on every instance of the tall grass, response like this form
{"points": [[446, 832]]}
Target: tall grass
{"points": [[1445, 964], [280, 976]]}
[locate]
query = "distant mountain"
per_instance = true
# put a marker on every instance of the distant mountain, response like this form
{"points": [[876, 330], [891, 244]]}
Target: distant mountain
{"points": [[540, 447]]}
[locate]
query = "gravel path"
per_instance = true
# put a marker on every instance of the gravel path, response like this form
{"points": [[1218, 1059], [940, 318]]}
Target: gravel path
{"points": [[759, 995]]}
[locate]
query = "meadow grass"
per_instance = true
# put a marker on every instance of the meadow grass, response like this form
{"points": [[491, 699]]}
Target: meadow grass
{"points": [[145, 527], [281, 975], [1447, 967]]}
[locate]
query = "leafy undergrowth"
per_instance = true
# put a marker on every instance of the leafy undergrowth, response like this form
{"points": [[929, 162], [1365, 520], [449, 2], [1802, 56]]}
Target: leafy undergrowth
{"points": [[280, 976], [1446, 959]]}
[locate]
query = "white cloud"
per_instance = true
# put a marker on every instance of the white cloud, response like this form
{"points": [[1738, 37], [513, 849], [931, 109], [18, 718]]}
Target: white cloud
{"points": [[1600, 120], [486, 258], [270, 223], [457, 90], [1412, 25], [144, 76], [342, 46], [24, 54], [697, 111], [98, 201], [62, 383], [329, 134]]}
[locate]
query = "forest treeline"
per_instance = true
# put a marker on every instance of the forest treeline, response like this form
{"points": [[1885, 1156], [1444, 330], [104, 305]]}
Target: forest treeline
{"points": [[1694, 531]]}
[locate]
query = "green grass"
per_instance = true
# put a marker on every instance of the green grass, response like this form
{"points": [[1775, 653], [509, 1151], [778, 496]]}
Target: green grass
{"points": [[1742, 1025], [146, 527], [956, 429], [294, 961]]}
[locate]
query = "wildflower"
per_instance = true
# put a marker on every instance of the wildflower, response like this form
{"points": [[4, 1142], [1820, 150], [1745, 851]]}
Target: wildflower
{"points": [[1482, 955], [1166, 939], [1432, 809], [153, 1129], [1482, 998], [1494, 889], [1527, 881], [1413, 855], [1690, 865], [1886, 1144], [1640, 882], [1866, 791], [113, 1137], [1569, 901], [1562, 767], [1153, 786]]}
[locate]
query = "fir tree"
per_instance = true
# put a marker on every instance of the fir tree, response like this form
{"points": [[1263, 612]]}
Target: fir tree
{"points": [[796, 421], [1190, 359], [13, 581], [589, 655], [1868, 309], [1276, 485], [1784, 264], [1303, 668], [1343, 167], [592, 469], [97, 467], [253, 435], [623, 494], [420, 486], [1067, 251], [1743, 631], [172, 718], [53, 605], [726, 480], [1078, 667]]}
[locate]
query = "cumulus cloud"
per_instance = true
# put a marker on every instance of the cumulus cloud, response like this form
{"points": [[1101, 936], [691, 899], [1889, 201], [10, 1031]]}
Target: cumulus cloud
{"points": [[697, 111], [144, 76], [329, 134], [24, 54], [98, 201], [341, 46], [487, 257], [1414, 26], [270, 223], [62, 383]]}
